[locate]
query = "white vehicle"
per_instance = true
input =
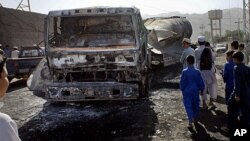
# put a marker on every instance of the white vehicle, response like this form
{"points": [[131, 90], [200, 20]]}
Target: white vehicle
{"points": [[220, 48]]}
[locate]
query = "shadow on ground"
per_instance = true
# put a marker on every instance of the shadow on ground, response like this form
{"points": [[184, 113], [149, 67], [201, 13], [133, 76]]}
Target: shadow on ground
{"points": [[129, 120], [209, 120], [16, 85]]}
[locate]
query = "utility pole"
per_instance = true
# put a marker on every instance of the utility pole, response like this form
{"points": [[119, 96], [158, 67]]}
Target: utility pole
{"points": [[244, 21], [246, 17], [239, 22], [202, 27], [21, 5]]}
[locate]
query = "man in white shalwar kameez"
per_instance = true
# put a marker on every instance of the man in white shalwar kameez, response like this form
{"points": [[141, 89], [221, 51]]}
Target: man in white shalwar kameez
{"points": [[208, 76]]}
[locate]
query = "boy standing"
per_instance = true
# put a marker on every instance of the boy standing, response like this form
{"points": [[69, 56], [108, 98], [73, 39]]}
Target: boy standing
{"points": [[228, 75], [191, 84], [246, 56], [241, 95]]}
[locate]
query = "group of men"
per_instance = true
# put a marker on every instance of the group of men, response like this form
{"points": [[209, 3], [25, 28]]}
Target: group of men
{"points": [[199, 78], [10, 52], [204, 61], [236, 75]]}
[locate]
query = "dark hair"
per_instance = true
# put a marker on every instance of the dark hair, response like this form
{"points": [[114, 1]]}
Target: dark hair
{"points": [[201, 43], [207, 44], [190, 59], [235, 44], [242, 45], [230, 53], [238, 55]]}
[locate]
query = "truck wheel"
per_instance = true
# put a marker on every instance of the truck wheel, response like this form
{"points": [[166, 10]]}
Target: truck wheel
{"points": [[144, 87]]}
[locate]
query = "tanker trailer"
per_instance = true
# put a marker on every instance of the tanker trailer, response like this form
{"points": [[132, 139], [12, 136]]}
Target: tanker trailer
{"points": [[165, 38]]}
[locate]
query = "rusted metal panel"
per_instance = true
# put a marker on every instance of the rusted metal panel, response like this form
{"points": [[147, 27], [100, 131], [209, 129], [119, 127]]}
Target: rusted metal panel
{"points": [[98, 51], [78, 91]]}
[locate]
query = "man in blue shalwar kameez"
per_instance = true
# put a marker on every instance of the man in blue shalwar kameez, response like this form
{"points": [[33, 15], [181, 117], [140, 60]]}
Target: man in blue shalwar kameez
{"points": [[191, 85], [240, 98]]}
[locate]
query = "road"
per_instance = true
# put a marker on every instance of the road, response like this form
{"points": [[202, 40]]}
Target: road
{"points": [[160, 117]]}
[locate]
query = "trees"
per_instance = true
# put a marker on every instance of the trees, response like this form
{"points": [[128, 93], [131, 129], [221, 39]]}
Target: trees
{"points": [[235, 34]]}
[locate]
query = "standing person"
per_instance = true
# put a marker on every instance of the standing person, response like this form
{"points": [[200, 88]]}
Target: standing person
{"points": [[204, 62], [207, 45], [241, 95], [228, 76], [235, 45], [246, 56], [7, 51], [187, 51], [8, 127], [191, 84], [15, 52]]}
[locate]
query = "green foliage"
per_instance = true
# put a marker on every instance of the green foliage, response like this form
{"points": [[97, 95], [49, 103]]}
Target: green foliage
{"points": [[235, 34], [218, 39]]}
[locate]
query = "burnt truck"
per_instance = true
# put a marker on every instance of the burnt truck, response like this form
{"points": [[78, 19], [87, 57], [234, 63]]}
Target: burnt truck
{"points": [[165, 38], [97, 53]]}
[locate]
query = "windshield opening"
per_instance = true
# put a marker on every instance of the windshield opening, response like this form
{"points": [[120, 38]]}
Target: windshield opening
{"points": [[91, 31]]}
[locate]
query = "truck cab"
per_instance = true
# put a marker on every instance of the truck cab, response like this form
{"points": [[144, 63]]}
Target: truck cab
{"points": [[95, 53]]}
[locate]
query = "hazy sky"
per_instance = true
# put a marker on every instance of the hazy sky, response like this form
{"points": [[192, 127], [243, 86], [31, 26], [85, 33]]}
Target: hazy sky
{"points": [[150, 7]]}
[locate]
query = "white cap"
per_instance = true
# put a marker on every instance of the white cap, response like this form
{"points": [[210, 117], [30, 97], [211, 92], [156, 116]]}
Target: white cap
{"points": [[186, 40], [201, 39]]}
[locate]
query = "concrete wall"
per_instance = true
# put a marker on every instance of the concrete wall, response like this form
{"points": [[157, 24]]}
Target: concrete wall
{"points": [[20, 28]]}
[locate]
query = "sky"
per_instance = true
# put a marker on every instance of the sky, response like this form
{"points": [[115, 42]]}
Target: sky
{"points": [[147, 7]]}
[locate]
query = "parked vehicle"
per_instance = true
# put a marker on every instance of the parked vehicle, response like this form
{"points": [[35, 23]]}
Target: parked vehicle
{"points": [[93, 54], [220, 48], [28, 58]]}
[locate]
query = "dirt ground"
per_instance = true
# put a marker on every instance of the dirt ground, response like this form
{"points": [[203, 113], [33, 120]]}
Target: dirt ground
{"points": [[161, 117]]}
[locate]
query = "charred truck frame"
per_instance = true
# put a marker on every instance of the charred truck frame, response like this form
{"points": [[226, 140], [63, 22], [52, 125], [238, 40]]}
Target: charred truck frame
{"points": [[95, 54]]}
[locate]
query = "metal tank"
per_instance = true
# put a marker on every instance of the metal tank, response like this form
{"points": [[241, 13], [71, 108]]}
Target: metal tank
{"points": [[165, 38]]}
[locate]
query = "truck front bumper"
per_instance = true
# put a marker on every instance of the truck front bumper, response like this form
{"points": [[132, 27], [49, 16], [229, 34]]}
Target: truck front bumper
{"points": [[84, 91]]}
